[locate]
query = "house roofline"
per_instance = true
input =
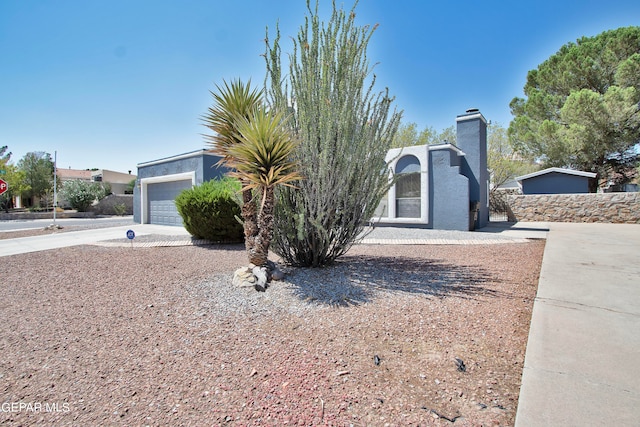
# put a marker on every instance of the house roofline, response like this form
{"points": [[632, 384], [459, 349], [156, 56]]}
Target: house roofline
{"points": [[447, 146], [202, 151], [558, 170]]}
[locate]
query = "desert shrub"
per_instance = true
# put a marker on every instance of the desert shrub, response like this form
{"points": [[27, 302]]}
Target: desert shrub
{"points": [[81, 194], [211, 210], [120, 209]]}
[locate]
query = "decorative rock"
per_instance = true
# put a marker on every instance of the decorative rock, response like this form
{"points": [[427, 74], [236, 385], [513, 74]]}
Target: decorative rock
{"points": [[274, 271], [243, 278], [260, 274], [54, 227], [277, 274], [257, 277]]}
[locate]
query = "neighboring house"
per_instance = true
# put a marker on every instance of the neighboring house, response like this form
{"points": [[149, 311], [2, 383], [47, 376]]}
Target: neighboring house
{"points": [[117, 181], [160, 181], [73, 174], [555, 181], [441, 186]]}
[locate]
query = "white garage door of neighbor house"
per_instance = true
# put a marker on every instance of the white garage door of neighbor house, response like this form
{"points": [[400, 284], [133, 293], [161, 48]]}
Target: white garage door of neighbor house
{"points": [[162, 207]]}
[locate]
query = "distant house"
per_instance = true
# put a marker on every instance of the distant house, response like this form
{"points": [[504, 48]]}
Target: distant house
{"points": [[555, 181], [118, 181], [73, 174]]}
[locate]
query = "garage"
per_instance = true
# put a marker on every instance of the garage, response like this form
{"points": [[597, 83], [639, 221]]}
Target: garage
{"points": [[162, 207], [160, 181]]}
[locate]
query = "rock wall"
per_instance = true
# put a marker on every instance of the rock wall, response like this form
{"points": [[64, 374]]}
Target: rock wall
{"points": [[45, 215], [107, 205], [622, 208]]}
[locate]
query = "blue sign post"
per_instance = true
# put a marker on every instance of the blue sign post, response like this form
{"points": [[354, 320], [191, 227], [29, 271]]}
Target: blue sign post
{"points": [[131, 235]]}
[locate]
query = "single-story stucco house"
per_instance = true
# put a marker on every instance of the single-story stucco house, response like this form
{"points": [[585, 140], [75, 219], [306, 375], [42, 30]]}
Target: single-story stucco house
{"points": [[441, 186], [555, 181], [160, 181]]}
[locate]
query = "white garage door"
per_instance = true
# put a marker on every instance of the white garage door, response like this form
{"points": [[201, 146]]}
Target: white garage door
{"points": [[161, 196]]}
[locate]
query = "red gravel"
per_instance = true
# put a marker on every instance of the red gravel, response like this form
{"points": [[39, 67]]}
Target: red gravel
{"points": [[158, 336]]}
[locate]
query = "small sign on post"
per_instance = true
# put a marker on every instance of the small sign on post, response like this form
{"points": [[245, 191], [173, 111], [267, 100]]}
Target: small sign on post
{"points": [[3, 186], [131, 235]]}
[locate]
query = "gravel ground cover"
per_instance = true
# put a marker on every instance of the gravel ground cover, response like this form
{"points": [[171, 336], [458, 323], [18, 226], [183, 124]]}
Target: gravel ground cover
{"points": [[390, 335]]}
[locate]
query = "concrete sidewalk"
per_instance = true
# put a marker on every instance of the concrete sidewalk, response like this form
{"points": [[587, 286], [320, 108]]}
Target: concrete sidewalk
{"points": [[84, 237], [162, 235], [581, 366]]}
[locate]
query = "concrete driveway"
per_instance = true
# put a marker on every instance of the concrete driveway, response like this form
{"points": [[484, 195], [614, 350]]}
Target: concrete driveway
{"points": [[581, 366]]}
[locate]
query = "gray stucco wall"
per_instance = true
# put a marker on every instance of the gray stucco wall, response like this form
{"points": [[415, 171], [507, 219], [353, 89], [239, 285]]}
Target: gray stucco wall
{"points": [[136, 203], [171, 167], [449, 192], [210, 170], [555, 183]]}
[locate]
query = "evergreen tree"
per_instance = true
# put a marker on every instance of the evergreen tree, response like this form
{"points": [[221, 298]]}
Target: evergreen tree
{"points": [[345, 130], [582, 104]]}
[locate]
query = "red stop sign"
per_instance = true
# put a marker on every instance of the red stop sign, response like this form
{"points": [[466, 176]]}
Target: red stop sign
{"points": [[3, 186]]}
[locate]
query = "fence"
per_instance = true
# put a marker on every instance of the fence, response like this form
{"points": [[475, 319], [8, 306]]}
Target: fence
{"points": [[498, 204]]}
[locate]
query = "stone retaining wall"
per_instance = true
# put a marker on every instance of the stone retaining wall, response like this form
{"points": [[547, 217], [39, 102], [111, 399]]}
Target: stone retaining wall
{"points": [[45, 215], [623, 208], [107, 205]]}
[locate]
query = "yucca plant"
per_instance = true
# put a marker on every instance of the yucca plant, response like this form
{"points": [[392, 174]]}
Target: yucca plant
{"points": [[255, 145], [262, 161], [232, 102]]}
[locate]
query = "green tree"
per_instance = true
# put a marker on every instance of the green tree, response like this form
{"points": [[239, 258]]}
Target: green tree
{"points": [[448, 135], [581, 107], [345, 130], [38, 168], [256, 146], [13, 177], [407, 136], [4, 156], [502, 161]]}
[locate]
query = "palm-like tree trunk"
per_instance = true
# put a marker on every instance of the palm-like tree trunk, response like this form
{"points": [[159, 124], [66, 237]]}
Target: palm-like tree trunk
{"points": [[259, 255], [249, 217]]}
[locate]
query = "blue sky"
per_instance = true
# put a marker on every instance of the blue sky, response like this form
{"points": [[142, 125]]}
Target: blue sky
{"points": [[110, 84]]}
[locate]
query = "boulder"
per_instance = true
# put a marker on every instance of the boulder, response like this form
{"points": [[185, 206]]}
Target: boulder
{"points": [[244, 278], [261, 276]]}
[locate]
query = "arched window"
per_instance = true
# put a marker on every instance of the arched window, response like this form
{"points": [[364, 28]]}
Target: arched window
{"points": [[408, 187]]}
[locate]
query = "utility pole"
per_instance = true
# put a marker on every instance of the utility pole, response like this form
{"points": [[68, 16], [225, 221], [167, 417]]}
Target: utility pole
{"points": [[55, 187]]}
